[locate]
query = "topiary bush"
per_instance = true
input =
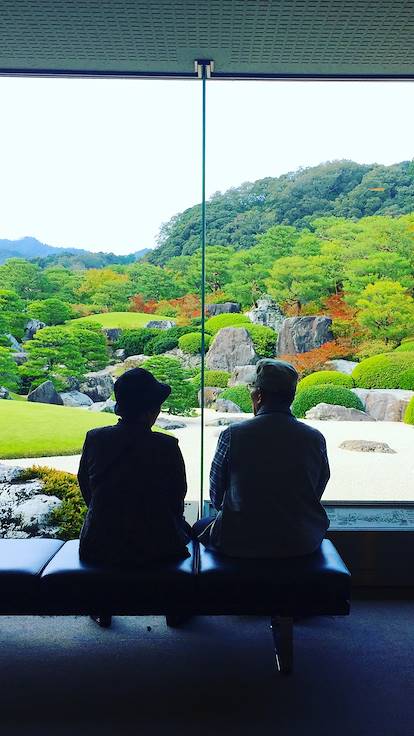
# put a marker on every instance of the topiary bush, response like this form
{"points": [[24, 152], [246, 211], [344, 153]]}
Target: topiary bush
{"points": [[240, 395], [218, 379], [326, 377], [384, 371], [183, 397], [191, 343], [264, 340], [327, 393], [407, 380], [409, 413], [229, 319], [405, 347], [167, 340], [136, 342], [69, 516]]}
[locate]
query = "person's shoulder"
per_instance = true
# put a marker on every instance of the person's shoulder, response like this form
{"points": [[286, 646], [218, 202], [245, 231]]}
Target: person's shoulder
{"points": [[163, 439], [310, 432], [98, 433]]}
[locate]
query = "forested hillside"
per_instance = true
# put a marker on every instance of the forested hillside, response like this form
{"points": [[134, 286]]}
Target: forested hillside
{"points": [[338, 188], [51, 255]]}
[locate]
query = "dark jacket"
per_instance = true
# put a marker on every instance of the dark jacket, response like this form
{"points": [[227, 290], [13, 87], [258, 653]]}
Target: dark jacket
{"points": [[133, 482], [275, 471]]}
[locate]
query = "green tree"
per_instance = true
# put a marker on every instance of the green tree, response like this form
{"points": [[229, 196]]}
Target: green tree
{"points": [[183, 394], [9, 374], [51, 311], [297, 280], [386, 310], [92, 343], [361, 272], [53, 354], [154, 282], [25, 278], [248, 276]]}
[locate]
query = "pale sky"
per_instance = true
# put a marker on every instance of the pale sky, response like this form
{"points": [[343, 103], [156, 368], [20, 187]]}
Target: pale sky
{"points": [[101, 164]]}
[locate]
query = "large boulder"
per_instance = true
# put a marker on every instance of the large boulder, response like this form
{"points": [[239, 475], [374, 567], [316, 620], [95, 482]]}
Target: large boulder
{"points": [[212, 310], [231, 347], [98, 385], [4, 393], [267, 313], [301, 334], [134, 361], [211, 394], [9, 473], [336, 413], [31, 327], [112, 333], [187, 360], [226, 405], [385, 404], [25, 510], [244, 374], [45, 394], [75, 398], [33, 515], [342, 366], [160, 324]]}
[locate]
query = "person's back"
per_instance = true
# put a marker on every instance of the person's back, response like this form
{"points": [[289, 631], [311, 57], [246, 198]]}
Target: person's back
{"points": [[133, 482], [267, 479]]}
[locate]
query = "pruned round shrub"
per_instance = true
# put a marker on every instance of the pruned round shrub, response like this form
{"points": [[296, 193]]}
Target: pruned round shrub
{"points": [[407, 379], [166, 340], [409, 412], [191, 343], [240, 395], [307, 398], [383, 371], [217, 379], [264, 340], [405, 347], [228, 319], [334, 378], [135, 342]]}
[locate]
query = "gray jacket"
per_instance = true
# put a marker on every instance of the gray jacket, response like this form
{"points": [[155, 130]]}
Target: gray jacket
{"points": [[268, 476]]}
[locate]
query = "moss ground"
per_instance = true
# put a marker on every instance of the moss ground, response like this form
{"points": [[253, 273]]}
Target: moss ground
{"points": [[122, 320]]}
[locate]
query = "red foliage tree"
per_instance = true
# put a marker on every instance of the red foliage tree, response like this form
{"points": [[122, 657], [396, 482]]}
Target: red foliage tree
{"points": [[314, 360]]}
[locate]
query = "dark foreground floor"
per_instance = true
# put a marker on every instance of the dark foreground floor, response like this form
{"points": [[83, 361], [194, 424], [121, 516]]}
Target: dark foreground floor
{"points": [[215, 676]]}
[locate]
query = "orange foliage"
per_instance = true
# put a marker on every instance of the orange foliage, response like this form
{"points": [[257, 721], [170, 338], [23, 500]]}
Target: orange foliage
{"points": [[138, 304], [314, 360], [335, 306]]}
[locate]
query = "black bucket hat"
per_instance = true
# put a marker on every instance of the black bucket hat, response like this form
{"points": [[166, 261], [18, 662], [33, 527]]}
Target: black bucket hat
{"points": [[137, 390]]}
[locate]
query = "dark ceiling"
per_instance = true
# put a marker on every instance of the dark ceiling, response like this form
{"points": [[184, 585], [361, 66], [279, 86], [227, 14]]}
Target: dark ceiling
{"points": [[244, 37]]}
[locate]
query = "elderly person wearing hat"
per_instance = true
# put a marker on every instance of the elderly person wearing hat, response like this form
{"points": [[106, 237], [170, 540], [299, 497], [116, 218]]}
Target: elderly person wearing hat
{"points": [[268, 476], [133, 481]]}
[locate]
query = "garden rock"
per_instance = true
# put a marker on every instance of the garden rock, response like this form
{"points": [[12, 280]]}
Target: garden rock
{"points": [[13, 494], [160, 324], [169, 424], [243, 374], [212, 310], [112, 333], [4, 393], [134, 361], [211, 393], [45, 394], [20, 357], [98, 385], [225, 421], [385, 405], [367, 446], [267, 313], [31, 327], [75, 398], [9, 473], [301, 334], [334, 412], [108, 406], [120, 354], [231, 347], [226, 405], [33, 514], [15, 346], [342, 366], [187, 360]]}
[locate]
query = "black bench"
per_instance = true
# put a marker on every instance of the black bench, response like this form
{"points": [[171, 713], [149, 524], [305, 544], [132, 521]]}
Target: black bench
{"points": [[46, 577]]}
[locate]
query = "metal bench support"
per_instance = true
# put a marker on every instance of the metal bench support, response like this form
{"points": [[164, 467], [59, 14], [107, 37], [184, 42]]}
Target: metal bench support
{"points": [[282, 630]]}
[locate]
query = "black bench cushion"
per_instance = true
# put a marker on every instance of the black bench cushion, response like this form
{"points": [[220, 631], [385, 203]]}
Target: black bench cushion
{"points": [[314, 584], [71, 586], [21, 563]]}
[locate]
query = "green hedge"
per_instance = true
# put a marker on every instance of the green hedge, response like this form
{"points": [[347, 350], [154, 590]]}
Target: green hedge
{"points": [[407, 380], [218, 379], [167, 340], [409, 413], [264, 340], [240, 395], [135, 342], [327, 377], [405, 347], [385, 371], [307, 398], [229, 319], [191, 343]]}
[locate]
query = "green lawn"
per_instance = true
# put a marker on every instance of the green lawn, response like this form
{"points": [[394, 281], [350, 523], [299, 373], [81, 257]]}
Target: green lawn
{"points": [[38, 430], [125, 320]]}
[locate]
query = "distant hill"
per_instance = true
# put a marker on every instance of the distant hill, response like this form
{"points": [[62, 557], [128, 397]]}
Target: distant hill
{"points": [[44, 254], [339, 188]]}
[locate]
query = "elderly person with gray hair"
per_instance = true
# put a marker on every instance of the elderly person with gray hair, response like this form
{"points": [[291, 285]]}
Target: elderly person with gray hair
{"points": [[268, 476]]}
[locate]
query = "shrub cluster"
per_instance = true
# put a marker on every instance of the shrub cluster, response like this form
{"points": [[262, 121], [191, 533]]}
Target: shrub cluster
{"points": [[183, 397], [405, 347], [307, 398], [135, 342], [389, 370], [229, 319], [264, 340], [240, 395], [191, 342], [69, 516], [409, 413], [218, 379], [326, 377], [369, 348]]}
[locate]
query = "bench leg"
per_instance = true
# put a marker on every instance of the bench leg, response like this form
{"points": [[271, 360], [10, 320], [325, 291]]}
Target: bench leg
{"points": [[282, 630]]}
